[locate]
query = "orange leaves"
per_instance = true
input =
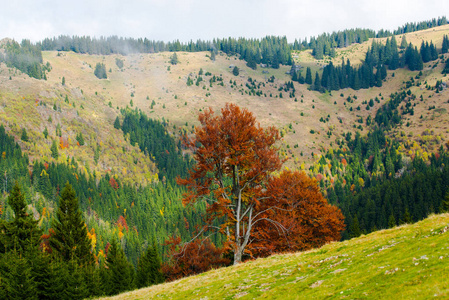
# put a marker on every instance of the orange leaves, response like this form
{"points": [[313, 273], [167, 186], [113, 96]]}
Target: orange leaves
{"points": [[121, 223], [113, 183], [196, 257], [92, 237], [344, 162], [300, 216], [63, 143]]}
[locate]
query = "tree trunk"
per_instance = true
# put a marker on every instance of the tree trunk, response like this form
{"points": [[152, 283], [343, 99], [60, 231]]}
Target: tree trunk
{"points": [[238, 256]]}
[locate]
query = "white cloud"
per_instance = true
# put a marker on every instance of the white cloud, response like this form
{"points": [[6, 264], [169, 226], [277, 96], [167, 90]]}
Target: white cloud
{"points": [[202, 19]]}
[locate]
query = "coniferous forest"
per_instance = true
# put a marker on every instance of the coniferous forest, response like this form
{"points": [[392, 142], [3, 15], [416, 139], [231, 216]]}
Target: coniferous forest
{"points": [[220, 192]]}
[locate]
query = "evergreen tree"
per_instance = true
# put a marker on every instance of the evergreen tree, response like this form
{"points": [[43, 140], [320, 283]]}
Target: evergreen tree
{"points": [[391, 221], [117, 123], [308, 76], [16, 281], [445, 203], [45, 132], [80, 139], [445, 45], [120, 271], [63, 80], [54, 150], [100, 71], [75, 287], [21, 234], [174, 59], [148, 268], [355, 227], [24, 136], [236, 71], [403, 42], [317, 84], [70, 239]]}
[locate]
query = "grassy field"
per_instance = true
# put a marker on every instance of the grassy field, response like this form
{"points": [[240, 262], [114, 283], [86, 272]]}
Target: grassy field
{"points": [[406, 262]]}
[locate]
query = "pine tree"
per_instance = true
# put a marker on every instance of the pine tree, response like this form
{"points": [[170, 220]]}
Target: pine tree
{"points": [[308, 76], [355, 227], [174, 59], [317, 84], [17, 281], [403, 42], [120, 271], [445, 204], [445, 45], [80, 138], [21, 233], [236, 71], [148, 268], [391, 221], [45, 132], [75, 287], [54, 150], [63, 80], [24, 136], [70, 239]]}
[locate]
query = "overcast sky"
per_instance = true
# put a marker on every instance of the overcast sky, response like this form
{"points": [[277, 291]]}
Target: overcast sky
{"points": [[206, 19]]}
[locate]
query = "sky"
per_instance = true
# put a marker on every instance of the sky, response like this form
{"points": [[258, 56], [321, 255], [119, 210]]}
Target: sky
{"points": [[207, 19]]}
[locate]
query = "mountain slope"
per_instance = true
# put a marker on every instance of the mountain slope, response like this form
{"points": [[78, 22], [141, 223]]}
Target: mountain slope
{"points": [[409, 262]]}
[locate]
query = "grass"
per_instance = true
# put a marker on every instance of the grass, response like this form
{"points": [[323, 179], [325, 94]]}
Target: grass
{"points": [[406, 262]]}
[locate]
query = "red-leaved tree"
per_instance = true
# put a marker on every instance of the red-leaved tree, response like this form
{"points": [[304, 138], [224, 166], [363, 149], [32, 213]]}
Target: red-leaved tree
{"points": [[296, 217], [192, 258], [234, 158]]}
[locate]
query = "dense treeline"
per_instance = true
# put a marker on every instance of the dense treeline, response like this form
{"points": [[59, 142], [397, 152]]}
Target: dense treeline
{"points": [[25, 57], [371, 73], [406, 199], [376, 189], [269, 50], [388, 115], [373, 69], [137, 214], [153, 139], [62, 264], [326, 43]]}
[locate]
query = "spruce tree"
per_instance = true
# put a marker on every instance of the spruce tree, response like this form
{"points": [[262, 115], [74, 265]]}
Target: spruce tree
{"points": [[17, 281], [120, 271], [403, 42], [54, 150], [445, 45], [148, 268], [117, 123], [24, 136], [308, 76], [317, 84], [45, 132], [70, 239], [236, 71], [21, 233]]}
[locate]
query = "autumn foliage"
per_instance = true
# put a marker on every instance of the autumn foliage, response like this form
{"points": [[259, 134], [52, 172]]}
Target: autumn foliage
{"points": [[234, 158], [193, 258], [297, 217], [261, 214]]}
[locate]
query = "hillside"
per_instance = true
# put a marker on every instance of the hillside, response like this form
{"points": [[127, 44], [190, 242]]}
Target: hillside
{"points": [[150, 77], [409, 262], [160, 90]]}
